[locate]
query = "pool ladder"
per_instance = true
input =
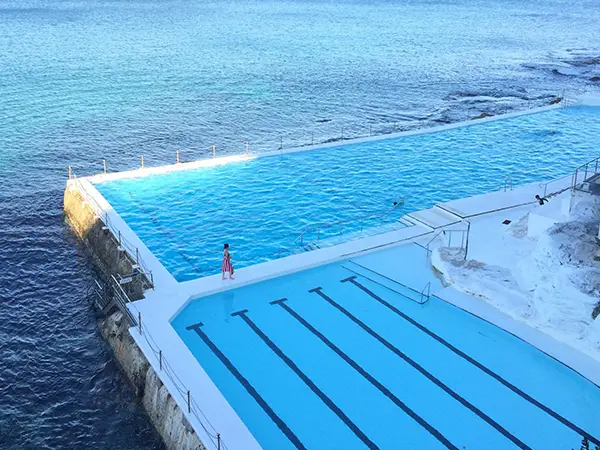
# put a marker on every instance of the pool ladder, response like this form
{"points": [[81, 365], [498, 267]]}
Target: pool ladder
{"points": [[508, 183]]}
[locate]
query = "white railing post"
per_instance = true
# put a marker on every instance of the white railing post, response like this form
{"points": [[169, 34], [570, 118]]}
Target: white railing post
{"points": [[70, 173], [104, 164], [214, 149], [177, 157]]}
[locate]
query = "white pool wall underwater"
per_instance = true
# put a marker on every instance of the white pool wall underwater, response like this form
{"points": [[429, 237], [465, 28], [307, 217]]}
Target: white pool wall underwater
{"points": [[168, 297]]}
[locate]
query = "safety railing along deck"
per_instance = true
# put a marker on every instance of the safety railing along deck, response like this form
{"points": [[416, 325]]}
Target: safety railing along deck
{"points": [[323, 132], [585, 173], [461, 235], [125, 305], [139, 266]]}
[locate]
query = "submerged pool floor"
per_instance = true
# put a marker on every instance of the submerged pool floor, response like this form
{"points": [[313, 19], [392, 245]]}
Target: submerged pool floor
{"points": [[340, 357], [260, 207]]}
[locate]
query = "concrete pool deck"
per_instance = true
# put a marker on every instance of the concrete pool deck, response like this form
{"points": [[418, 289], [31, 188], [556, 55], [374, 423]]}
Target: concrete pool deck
{"points": [[162, 304]]}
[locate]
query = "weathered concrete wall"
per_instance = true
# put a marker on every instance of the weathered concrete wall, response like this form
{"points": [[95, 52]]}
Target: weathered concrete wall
{"points": [[166, 416], [102, 246]]}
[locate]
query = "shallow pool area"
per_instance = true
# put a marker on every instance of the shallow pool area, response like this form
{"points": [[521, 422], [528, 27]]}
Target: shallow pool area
{"points": [[270, 207], [351, 356]]}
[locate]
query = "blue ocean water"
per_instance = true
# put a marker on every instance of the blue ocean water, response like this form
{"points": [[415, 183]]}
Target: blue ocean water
{"points": [[360, 352], [82, 81]]}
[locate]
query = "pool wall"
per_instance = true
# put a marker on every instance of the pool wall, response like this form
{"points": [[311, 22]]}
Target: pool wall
{"points": [[168, 297]]}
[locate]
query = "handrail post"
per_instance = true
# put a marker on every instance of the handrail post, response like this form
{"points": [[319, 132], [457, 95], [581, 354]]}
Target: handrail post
{"points": [[189, 402], [70, 173], [120, 239], [142, 156], [214, 149], [137, 256], [160, 359], [467, 244], [140, 321], [177, 157], [104, 164], [218, 441]]}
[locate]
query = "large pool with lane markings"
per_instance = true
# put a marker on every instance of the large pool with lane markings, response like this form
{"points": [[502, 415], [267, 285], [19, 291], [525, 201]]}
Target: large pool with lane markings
{"points": [[342, 357]]}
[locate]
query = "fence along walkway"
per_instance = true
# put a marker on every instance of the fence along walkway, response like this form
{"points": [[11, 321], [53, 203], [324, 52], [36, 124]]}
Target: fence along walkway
{"points": [[123, 244], [121, 300]]}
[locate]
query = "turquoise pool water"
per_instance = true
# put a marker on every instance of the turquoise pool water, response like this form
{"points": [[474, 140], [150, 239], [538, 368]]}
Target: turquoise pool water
{"points": [[350, 361], [260, 207]]}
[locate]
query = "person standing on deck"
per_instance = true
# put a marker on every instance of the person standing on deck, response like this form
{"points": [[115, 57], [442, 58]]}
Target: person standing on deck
{"points": [[226, 266]]}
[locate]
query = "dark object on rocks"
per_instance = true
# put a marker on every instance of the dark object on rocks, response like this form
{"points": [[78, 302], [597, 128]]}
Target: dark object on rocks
{"points": [[556, 100], [483, 115]]}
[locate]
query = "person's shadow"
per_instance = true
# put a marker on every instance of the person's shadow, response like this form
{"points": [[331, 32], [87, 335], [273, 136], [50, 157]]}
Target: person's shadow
{"points": [[228, 300]]}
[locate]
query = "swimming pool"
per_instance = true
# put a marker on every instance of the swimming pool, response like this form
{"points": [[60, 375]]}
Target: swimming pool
{"points": [[340, 357], [261, 207]]}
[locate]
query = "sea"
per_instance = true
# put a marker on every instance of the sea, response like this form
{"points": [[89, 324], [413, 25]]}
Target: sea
{"points": [[88, 81]]}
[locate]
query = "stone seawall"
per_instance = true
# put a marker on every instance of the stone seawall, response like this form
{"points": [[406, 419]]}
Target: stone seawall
{"points": [[164, 412]]}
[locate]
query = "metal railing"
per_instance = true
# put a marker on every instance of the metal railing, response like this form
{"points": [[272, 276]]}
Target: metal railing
{"points": [[124, 303], [328, 131], [423, 295], [508, 183], [147, 277], [341, 223], [426, 293], [557, 186], [464, 238], [584, 173]]}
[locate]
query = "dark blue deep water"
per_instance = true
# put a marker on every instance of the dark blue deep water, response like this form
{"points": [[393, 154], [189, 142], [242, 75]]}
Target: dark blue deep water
{"points": [[82, 81]]}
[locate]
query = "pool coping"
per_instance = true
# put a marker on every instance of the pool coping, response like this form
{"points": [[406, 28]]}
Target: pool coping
{"points": [[158, 313]]}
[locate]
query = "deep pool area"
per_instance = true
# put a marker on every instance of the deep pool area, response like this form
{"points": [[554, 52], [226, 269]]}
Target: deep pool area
{"points": [[261, 207], [340, 356]]}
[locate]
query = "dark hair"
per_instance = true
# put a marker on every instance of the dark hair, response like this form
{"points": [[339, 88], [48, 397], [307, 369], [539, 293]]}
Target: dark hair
{"points": [[225, 246]]}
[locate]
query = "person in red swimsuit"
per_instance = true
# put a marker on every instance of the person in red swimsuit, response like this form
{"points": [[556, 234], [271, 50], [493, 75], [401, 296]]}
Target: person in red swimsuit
{"points": [[226, 266]]}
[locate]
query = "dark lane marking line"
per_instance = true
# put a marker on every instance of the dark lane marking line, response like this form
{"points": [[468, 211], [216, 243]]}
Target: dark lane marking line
{"points": [[366, 375], [343, 417], [477, 364], [249, 388], [424, 372]]}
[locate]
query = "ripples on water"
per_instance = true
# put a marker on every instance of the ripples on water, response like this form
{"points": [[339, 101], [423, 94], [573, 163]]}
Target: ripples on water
{"points": [[83, 81]]}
